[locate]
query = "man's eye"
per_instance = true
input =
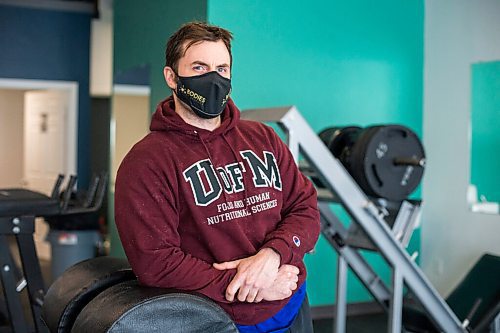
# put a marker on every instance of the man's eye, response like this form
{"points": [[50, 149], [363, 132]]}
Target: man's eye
{"points": [[222, 70], [198, 68]]}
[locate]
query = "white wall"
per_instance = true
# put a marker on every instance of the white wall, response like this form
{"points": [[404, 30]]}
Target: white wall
{"points": [[101, 51], [11, 137], [457, 34], [131, 118]]}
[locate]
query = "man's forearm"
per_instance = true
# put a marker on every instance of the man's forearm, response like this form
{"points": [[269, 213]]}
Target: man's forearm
{"points": [[172, 268]]}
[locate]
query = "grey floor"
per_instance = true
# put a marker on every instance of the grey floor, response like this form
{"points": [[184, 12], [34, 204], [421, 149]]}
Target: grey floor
{"points": [[372, 323]]}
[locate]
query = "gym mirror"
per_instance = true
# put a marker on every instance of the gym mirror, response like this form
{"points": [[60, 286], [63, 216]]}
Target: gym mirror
{"points": [[484, 189]]}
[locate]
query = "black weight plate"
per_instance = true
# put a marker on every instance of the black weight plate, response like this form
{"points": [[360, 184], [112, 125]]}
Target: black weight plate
{"points": [[378, 147], [355, 163], [77, 286], [340, 139]]}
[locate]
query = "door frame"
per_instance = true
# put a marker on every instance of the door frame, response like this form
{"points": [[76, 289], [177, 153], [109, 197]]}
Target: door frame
{"points": [[71, 120], [127, 90]]}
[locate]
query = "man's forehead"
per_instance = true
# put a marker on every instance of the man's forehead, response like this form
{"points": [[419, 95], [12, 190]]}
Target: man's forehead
{"points": [[206, 50]]}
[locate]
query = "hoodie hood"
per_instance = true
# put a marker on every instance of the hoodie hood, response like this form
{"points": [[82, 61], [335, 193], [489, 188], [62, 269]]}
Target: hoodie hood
{"points": [[166, 119]]}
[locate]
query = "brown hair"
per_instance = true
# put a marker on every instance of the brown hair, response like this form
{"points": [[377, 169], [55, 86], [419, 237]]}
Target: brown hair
{"points": [[192, 33]]}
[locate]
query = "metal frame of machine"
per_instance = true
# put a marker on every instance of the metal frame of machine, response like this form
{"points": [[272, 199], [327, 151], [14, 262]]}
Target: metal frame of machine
{"points": [[369, 217], [20, 208]]}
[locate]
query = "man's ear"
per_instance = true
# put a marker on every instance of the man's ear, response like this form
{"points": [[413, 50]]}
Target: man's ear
{"points": [[170, 77]]}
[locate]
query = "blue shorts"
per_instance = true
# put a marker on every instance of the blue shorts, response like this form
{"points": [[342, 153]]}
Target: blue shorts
{"points": [[281, 321]]}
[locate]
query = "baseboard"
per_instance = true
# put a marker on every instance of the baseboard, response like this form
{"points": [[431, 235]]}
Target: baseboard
{"points": [[353, 309]]}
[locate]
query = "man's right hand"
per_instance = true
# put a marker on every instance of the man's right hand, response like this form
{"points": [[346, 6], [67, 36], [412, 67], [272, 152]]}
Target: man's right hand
{"points": [[282, 287]]}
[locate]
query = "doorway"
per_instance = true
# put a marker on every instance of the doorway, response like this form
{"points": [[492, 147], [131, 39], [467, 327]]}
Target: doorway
{"points": [[38, 137], [130, 118]]}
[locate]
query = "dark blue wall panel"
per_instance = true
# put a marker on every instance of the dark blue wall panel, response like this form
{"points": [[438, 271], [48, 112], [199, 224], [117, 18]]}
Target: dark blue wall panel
{"points": [[50, 45]]}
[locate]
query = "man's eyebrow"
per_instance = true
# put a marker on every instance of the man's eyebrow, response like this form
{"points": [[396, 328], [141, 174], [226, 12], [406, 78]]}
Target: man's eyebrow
{"points": [[198, 62]]}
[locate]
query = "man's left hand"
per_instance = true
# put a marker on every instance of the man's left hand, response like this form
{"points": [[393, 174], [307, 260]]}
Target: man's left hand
{"points": [[254, 273]]}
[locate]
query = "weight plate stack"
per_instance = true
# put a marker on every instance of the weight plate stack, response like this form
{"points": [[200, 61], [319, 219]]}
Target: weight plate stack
{"points": [[339, 140], [387, 161]]}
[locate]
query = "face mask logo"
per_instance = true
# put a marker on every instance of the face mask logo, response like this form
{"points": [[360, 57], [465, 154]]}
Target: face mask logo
{"points": [[206, 94]]}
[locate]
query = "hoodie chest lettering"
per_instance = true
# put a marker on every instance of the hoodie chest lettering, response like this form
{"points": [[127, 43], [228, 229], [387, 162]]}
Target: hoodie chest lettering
{"points": [[207, 183]]}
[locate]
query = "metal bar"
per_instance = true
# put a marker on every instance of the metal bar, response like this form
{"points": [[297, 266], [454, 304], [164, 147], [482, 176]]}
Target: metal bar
{"points": [[404, 224], [12, 298], [68, 192], [33, 276], [412, 224], [489, 320], [396, 304], [357, 238], [337, 179], [91, 192], [326, 195], [101, 190], [332, 230], [57, 187], [495, 325], [273, 115], [341, 303], [99, 198], [293, 146]]}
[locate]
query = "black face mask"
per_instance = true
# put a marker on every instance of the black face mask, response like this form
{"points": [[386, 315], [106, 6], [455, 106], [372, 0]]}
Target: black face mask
{"points": [[206, 94]]}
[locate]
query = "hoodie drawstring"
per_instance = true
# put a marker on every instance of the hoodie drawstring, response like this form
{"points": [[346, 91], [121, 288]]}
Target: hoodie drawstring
{"points": [[239, 160], [211, 161], [206, 148]]}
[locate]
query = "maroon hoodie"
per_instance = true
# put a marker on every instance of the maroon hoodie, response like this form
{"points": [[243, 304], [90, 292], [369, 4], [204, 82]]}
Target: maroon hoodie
{"points": [[186, 197]]}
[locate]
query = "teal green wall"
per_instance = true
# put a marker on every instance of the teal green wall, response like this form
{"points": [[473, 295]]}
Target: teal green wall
{"points": [[140, 33], [141, 30], [339, 62], [485, 118]]}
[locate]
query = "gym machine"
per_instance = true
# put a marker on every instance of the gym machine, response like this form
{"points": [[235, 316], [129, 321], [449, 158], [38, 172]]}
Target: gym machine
{"points": [[18, 210], [370, 172]]}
